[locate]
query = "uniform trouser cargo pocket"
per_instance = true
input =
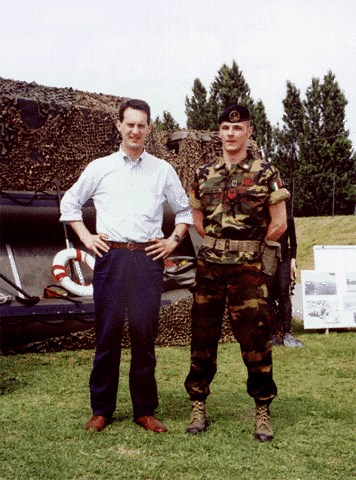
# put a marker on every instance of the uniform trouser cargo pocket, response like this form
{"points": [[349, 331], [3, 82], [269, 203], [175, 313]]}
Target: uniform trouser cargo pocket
{"points": [[270, 256]]}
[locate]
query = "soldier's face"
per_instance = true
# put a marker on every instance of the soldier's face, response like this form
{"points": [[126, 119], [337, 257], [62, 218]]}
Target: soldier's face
{"points": [[234, 136]]}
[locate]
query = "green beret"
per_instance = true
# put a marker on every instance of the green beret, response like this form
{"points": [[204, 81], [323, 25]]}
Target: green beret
{"points": [[234, 114]]}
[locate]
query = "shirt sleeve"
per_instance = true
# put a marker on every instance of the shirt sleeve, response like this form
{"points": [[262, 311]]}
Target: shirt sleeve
{"points": [[74, 198], [278, 193], [194, 200], [177, 198]]}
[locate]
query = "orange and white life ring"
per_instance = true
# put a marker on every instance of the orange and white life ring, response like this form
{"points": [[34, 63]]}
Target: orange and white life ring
{"points": [[60, 275]]}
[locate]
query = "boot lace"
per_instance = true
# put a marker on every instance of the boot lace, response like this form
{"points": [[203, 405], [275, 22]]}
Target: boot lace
{"points": [[263, 419], [198, 412]]}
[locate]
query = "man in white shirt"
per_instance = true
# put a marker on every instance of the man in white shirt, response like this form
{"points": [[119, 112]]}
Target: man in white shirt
{"points": [[129, 189]]}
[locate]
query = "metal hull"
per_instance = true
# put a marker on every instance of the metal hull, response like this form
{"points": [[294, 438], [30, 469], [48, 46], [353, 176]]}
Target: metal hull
{"points": [[30, 227]]}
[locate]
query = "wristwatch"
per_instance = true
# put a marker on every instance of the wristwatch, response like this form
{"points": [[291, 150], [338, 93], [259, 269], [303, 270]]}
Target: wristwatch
{"points": [[176, 238]]}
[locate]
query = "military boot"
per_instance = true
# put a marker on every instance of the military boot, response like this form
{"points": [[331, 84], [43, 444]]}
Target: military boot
{"points": [[290, 341], [198, 418], [263, 428], [276, 341]]}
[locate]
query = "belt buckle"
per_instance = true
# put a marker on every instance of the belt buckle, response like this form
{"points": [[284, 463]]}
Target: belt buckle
{"points": [[130, 246], [220, 244]]}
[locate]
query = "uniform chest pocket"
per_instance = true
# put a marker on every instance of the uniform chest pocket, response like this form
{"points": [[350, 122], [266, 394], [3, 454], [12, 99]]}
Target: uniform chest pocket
{"points": [[212, 196]]}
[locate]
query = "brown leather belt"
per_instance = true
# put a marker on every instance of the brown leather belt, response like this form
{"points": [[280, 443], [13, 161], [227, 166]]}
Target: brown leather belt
{"points": [[129, 246], [232, 245]]}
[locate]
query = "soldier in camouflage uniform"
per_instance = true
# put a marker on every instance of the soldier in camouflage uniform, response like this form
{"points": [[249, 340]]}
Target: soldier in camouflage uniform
{"points": [[239, 210]]}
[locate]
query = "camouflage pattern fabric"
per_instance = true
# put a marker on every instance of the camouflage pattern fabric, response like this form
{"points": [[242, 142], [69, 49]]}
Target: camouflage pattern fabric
{"points": [[235, 203], [244, 288]]}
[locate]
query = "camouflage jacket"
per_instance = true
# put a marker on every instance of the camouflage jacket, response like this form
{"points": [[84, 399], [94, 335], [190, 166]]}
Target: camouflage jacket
{"points": [[235, 203]]}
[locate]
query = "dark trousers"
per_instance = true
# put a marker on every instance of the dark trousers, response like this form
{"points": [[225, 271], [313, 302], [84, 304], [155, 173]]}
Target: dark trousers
{"points": [[278, 289], [243, 287], [126, 284]]}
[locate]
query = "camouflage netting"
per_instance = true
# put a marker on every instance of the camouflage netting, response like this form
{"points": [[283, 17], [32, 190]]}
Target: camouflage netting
{"points": [[174, 330], [195, 149], [48, 133]]}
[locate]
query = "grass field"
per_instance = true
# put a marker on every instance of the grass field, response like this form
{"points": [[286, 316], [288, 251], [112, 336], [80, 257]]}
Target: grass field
{"points": [[44, 406], [338, 230]]}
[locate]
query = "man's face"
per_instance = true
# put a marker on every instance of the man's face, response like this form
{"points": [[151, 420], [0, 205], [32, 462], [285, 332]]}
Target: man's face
{"points": [[134, 129], [234, 136]]}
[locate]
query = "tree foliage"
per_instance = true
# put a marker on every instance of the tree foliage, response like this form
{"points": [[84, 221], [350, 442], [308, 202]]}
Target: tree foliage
{"points": [[197, 109], [228, 87], [167, 123], [313, 151]]}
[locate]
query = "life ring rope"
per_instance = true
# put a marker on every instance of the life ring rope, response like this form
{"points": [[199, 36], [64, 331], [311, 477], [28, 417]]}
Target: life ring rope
{"points": [[60, 274]]}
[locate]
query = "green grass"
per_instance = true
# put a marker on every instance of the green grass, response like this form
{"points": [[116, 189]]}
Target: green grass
{"points": [[45, 404], [338, 230]]}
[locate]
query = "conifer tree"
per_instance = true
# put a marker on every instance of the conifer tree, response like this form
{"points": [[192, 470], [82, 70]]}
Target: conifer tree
{"points": [[262, 129], [167, 123], [197, 109], [288, 140], [228, 87], [314, 150]]}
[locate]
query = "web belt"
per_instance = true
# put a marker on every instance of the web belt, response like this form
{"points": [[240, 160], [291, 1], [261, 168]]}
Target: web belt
{"points": [[232, 245]]}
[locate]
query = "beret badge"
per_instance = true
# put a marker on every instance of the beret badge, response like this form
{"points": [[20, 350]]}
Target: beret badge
{"points": [[234, 116]]}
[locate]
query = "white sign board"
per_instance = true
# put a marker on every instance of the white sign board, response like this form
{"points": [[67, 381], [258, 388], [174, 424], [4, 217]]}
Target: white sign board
{"points": [[335, 258], [329, 291], [329, 299]]}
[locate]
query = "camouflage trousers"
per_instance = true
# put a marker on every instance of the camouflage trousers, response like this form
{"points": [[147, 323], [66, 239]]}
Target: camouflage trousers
{"points": [[242, 289]]}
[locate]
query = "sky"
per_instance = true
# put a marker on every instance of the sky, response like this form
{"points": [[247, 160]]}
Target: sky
{"points": [[154, 50]]}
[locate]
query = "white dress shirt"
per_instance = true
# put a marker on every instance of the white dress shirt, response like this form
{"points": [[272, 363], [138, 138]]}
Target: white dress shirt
{"points": [[128, 196]]}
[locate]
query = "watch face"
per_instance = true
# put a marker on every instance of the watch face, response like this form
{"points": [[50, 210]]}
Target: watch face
{"points": [[176, 238]]}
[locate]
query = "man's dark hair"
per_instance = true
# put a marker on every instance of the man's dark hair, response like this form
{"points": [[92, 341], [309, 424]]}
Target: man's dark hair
{"points": [[136, 104]]}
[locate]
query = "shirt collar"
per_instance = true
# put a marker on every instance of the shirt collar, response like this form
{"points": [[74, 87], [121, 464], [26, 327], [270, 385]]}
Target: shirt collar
{"points": [[245, 164], [127, 158], [219, 163]]}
